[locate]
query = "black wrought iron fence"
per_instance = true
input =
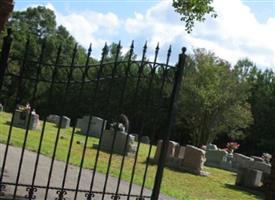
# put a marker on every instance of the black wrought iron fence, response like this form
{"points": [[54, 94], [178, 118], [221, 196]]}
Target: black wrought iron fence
{"points": [[144, 91]]}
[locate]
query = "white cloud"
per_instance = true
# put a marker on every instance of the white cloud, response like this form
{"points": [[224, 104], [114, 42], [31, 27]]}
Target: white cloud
{"points": [[234, 34], [85, 25]]}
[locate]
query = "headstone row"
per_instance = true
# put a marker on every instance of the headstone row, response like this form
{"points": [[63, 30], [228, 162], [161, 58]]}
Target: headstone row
{"points": [[188, 158], [251, 172]]}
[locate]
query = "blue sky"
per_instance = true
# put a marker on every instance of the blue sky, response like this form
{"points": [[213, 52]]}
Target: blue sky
{"points": [[244, 28]]}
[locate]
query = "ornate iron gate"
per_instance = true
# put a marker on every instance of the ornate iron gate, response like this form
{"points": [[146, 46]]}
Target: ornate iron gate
{"points": [[144, 91]]}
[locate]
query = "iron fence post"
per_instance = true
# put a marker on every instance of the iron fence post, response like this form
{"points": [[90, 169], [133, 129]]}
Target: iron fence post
{"points": [[3, 65], [171, 119], [5, 55]]}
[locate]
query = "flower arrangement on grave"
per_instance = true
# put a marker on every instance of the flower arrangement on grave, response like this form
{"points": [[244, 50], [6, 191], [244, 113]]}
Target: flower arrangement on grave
{"points": [[25, 110], [232, 146]]}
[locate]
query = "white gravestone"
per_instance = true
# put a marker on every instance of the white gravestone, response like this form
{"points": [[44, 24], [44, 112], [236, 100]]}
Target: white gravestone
{"points": [[119, 143], [241, 161], [250, 178], [53, 118], [170, 152], [95, 128], [21, 119], [215, 158], [65, 122], [194, 159], [211, 147], [262, 166]]}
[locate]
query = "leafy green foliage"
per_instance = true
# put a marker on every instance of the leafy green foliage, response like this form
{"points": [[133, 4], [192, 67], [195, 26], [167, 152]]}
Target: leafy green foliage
{"points": [[262, 100], [193, 10], [213, 99]]}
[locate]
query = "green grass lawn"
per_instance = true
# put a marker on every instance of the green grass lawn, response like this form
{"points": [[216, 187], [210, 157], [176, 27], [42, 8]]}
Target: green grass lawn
{"points": [[181, 185]]}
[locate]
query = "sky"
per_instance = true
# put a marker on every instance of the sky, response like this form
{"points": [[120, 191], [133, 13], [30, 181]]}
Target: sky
{"points": [[243, 28]]}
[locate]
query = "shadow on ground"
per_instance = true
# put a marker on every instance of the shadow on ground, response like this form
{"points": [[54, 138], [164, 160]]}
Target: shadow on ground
{"points": [[258, 193]]}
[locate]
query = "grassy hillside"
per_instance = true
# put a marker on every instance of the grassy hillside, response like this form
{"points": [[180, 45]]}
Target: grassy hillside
{"points": [[218, 186]]}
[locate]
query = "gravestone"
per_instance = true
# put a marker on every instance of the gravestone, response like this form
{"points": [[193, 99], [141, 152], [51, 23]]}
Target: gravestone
{"points": [[135, 135], [257, 158], [262, 166], [65, 122], [175, 160], [181, 152], [250, 178], [53, 118], [215, 158], [211, 147], [194, 159], [119, 144], [21, 118], [1, 108], [96, 126], [170, 152], [241, 161], [145, 140]]}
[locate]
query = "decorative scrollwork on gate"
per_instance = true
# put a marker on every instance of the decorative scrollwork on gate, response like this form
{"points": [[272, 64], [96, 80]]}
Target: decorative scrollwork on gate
{"points": [[89, 195], [61, 194], [115, 197], [31, 191]]}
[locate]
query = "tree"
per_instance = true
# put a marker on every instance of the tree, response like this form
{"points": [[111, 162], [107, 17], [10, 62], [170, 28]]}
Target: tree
{"points": [[213, 100], [193, 10], [262, 102], [39, 25]]}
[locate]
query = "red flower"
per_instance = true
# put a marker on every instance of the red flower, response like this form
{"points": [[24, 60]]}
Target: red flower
{"points": [[231, 146]]}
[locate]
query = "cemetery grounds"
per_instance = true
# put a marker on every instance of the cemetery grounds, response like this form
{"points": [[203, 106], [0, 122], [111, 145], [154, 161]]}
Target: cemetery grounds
{"points": [[219, 185]]}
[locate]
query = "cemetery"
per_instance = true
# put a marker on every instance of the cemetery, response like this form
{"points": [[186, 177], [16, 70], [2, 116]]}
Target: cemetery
{"points": [[188, 162], [198, 126]]}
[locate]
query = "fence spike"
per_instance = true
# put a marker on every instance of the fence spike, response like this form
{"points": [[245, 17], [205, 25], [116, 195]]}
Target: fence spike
{"points": [[144, 52], [156, 53], [90, 50], [145, 48], [118, 48], [157, 48], [168, 54], [105, 49], [132, 44]]}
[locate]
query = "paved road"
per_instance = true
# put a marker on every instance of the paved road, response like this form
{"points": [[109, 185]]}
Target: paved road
{"points": [[57, 177]]}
